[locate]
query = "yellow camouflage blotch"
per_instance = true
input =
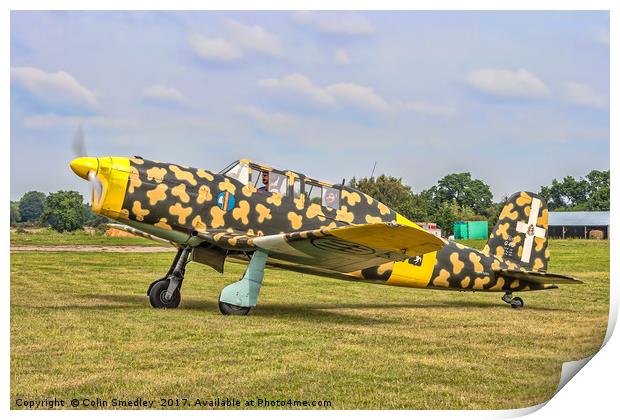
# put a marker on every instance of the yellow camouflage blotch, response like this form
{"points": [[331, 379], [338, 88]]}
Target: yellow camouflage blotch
{"points": [[198, 224], [540, 242], [204, 174], [516, 240], [543, 219], [502, 230], [499, 284], [217, 217], [369, 199], [179, 191], [248, 190], [383, 209], [352, 197], [181, 212], [526, 211], [124, 214], [314, 210], [275, 199], [163, 224], [457, 264], [344, 215], [182, 175], [460, 246], [134, 180], [496, 265], [442, 279], [373, 219], [514, 284], [218, 236], [524, 199], [465, 282], [538, 264], [264, 213], [480, 282], [156, 173], [241, 212], [475, 259], [519, 251], [157, 194], [139, 211], [226, 185], [507, 212], [299, 202], [499, 252], [384, 267], [204, 194], [295, 219], [137, 161]]}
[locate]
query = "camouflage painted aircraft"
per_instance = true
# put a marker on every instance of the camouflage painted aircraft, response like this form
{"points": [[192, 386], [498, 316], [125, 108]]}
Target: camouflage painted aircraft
{"points": [[265, 216]]}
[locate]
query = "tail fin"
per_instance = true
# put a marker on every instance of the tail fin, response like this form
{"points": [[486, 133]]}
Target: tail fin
{"points": [[520, 235]]}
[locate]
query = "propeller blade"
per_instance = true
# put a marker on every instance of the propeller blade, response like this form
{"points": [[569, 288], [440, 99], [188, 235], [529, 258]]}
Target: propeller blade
{"points": [[78, 145], [97, 187]]}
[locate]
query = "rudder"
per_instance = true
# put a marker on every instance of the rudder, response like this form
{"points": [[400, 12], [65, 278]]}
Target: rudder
{"points": [[520, 235]]}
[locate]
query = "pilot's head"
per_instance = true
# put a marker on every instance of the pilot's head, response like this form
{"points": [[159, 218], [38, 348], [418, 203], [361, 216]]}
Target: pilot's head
{"points": [[265, 177], [330, 198]]}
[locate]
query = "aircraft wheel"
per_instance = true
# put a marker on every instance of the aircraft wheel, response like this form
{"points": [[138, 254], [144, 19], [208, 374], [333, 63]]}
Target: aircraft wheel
{"points": [[517, 303], [228, 309], [157, 295]]}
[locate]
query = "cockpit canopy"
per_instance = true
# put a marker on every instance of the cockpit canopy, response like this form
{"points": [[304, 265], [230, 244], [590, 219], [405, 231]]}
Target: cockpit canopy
{"points": [[286, 183]]}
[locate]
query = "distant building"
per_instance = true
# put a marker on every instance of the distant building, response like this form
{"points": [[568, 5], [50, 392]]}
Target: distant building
{"points": [[471, 230], [430, 227], [579, 224]]}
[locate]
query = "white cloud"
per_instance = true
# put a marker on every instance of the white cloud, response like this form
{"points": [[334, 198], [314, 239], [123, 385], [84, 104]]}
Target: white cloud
{"points": [[254, 38], [584, 95], [511, 83], [358, 96], [423, 107], [58, 87], [166, 94], [340, 95], [341, 57], [271, 120], [300, 85], [47, 121], [214, 49], [340, 23]]}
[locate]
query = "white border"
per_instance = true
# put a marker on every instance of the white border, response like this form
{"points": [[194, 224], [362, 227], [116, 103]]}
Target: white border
{"points": [[593, 393]]}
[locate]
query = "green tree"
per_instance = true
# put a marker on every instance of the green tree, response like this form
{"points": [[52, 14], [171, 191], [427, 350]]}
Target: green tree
{"points": [[589, 193], [14, 212], [462, 190], [31, 206], [64, 211], [394, 194], [93, 219]]}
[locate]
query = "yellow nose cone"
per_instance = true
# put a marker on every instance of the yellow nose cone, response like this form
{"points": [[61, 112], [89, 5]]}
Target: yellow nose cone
{"points": [[83, 165]]}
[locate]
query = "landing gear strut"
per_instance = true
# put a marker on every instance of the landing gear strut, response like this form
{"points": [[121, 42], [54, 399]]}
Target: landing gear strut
{"points": [[238, 298], [166, 292], [515, 302]]}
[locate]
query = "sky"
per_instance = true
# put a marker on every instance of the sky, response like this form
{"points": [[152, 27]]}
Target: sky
{"points": [[515, 98]]}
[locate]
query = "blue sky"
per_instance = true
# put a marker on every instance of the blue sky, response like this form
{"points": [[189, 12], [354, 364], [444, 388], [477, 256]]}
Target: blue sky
{"points": [[515, 98]]}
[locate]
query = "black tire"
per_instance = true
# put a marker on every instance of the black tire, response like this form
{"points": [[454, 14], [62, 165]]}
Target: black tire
{"points": [[228, 309], [157, 295], [517, 303]]}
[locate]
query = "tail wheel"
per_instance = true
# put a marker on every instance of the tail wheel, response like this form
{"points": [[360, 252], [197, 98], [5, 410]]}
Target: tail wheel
{"points": [[157, 295], [517, 303]]}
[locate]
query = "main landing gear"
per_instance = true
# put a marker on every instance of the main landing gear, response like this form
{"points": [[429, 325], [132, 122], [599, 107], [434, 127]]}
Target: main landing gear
{"points": [[514, 302], [166, 292], [238, 298]]}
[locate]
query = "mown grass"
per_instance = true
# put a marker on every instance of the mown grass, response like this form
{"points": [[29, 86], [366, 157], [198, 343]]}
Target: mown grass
{"points": [[50, 237], [81, 326]]}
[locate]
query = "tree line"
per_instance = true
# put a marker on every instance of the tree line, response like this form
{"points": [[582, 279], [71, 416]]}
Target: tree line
{"points": [[455, 197], [63, 211], [459, 197]]}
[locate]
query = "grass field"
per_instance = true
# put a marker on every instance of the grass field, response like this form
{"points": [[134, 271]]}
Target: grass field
{"points": [[81, 326], [46, 236]]}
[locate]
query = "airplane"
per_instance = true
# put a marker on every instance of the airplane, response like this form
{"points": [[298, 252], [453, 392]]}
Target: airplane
{"points": [[280, 218]]}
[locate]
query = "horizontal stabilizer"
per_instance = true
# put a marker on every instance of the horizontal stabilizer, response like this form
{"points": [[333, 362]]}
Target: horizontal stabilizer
{"points": [[537, 277]]}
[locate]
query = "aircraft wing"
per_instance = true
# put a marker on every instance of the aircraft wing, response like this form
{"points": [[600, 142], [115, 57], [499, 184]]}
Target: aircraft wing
{"points": [[538, 277], [349, 248]]}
